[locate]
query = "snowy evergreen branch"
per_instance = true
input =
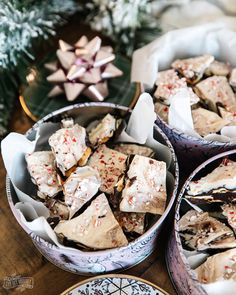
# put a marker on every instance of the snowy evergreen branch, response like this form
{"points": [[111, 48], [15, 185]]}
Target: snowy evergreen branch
{"points": [[21, 21], [122, 20]]}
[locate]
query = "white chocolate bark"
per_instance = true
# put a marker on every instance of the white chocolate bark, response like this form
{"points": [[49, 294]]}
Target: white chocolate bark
{"points": [[206, 122], [68, 146], [201, 231], [134, 149], [103, 131], [230, 117], [42, 169], [218, 267], [222, 176], [110, 164], [95, 228], [162, 110], [232, 79], [80, 187], [130, 221], [218, 68], [229, 210], [193, 68], [145, 186], [168, 84], [217, 89]]}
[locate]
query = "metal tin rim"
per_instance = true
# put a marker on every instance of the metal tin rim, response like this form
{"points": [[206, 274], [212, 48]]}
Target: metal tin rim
{"points": [[147, 233], [176, 218], [195, 139]]}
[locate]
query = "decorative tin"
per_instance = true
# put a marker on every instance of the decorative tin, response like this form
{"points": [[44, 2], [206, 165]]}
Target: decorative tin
{"points": [[183, 277], [106, 260]]}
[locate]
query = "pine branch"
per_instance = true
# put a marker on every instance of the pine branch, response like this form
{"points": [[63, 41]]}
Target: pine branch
{"points": [[126, 22], [8, 95], [23, 21]]}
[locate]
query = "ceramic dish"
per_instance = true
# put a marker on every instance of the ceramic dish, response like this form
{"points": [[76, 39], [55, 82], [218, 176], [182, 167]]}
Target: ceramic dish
{"points": [[115, 284]]}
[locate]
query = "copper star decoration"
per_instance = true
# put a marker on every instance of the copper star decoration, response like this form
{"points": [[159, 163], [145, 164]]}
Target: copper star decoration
{"points": [[82, 69]]}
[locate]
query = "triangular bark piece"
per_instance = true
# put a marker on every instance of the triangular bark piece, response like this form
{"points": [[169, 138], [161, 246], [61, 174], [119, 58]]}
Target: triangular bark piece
{"points": [[95, 228]]}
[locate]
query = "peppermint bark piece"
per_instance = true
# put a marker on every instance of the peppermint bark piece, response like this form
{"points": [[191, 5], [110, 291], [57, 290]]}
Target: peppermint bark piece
{"points": [[229, 210], [200, 231], [110, 164], [217, 89], [168, 84], [206, 122], [103, 131], [218, 68], [134, 149], [57, 208], [42, 169], [229, 116], [224, 176], [95, 228], [193, 68], [145, 186], [232, 79], [80, 187], [162, 110], [218, 267], [69, 147], [130, 221]]}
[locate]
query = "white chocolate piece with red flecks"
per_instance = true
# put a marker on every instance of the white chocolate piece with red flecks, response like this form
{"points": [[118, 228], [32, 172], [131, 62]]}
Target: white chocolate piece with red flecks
{"points": [[218, 68], [57, 208], [230, 117], [193, 68], [68, 146], [218, 267], [145, 186], [168, 84], [206, 122], [110, 164], [201, 232], [229, 210], [222, 176], [162, 110], [131, 221], [42, 169], [217, 89], [80, 187], [232, 79], [134, 149], [67, 122], [104, 130], [95, 228]]}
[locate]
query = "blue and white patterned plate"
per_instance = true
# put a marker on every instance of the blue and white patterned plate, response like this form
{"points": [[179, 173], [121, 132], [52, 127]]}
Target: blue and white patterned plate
{"points": [[116, 284]]}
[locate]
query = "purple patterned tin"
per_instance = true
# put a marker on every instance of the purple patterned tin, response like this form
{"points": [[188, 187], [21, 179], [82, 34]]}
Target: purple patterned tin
{"points": [[183, 277], [95, 262], [192, 151]]}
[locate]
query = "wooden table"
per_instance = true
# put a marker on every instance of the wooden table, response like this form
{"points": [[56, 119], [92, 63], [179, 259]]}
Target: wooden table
{"points": [[20, 257]]}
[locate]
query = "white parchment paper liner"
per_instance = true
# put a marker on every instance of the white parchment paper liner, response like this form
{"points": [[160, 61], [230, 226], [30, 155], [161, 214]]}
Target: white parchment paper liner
{"points": [[14, 147], [214, 38]]}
